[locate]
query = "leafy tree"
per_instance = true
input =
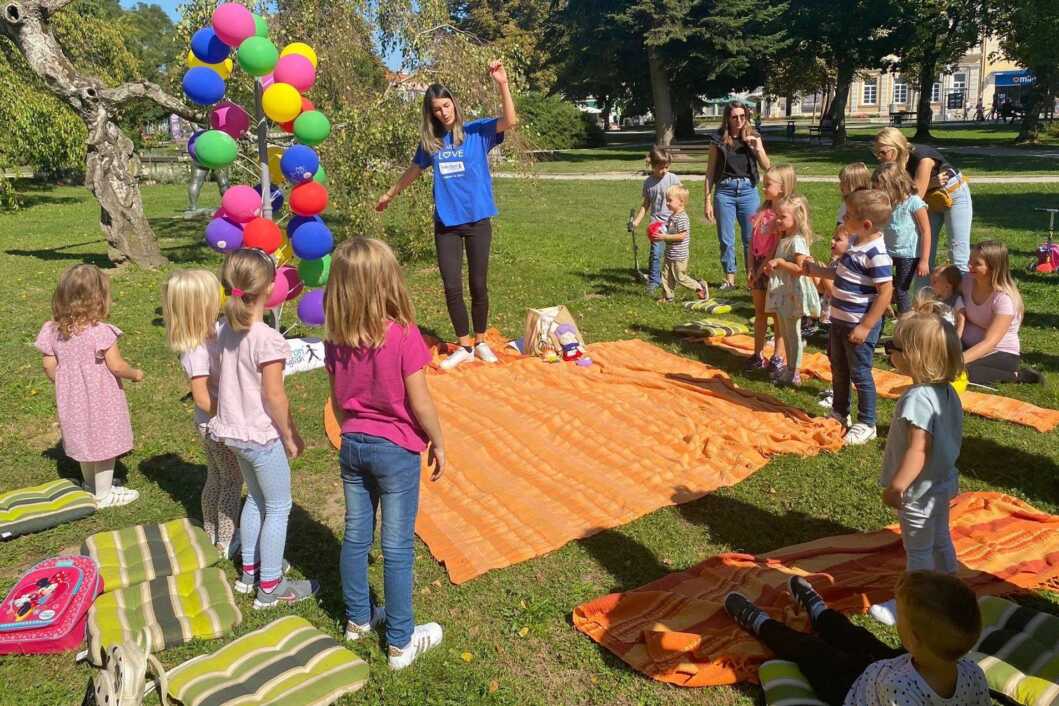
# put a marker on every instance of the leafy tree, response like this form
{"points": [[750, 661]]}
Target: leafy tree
{"points": [[1027, 32], [515, 28]]}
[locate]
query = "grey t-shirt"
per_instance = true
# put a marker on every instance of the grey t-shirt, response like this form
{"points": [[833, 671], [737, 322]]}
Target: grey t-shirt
{"points": [[654, 190], [937, 410]]}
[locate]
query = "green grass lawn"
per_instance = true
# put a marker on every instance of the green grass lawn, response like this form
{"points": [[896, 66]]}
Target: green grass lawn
{"points": [[556, 242]]}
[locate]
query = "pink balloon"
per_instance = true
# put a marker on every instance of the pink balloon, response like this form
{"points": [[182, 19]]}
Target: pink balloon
{"points": [[294, 282], [230, 118], [267, 80], [279, 291], [219, 213], [296, 70], [241, 203], [233, 23]]}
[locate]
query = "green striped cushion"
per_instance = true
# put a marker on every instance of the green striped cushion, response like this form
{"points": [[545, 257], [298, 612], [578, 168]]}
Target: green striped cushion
{"points": [[287, 662], [711, 328], [42, 506], [136, 554], [785, 685], [171, 609], [1019, 652]]}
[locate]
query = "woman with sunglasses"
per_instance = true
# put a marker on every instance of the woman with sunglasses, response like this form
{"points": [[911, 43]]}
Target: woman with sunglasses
{"points": [[737, 156]]}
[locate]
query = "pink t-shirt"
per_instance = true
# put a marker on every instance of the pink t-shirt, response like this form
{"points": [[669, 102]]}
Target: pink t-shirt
{"points": [[369, 386], [979, 316], [764, 238], [241, 414], [203, 361]]}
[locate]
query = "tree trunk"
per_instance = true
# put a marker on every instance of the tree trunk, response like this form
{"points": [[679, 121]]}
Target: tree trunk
{"points": [[838, 103], [604, 112], [789, 100], [684, 128], [924, 114], [663, 102], [1029, 131]]}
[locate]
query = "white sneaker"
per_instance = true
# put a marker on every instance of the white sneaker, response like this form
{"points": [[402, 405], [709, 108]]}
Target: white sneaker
{"points": [[826, 399], [462, 355], [424, 637], [859, 434], [355, 632], [484, 352], [885, 613], [117, 497]]}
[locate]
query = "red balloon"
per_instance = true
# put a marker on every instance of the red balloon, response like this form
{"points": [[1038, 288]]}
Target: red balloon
{"points": [[262, 233], [307, 199], [307, 105]]}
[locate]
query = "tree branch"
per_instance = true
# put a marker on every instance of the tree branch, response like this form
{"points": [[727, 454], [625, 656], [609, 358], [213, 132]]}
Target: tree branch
{"points": [[50, 7], [126, 92]]}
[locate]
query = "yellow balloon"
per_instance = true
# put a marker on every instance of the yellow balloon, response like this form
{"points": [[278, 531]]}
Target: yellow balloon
{"points": [[284, 253], [224, 297], [281, 102], [274, 171], [300, 48], [222, 69]]}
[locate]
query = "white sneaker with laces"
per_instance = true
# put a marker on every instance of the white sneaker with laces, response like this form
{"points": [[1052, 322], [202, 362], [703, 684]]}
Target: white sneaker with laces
{"points": [[424, 637], [117, 497], [461, 356], [355, 632], [484, 352], [859, 434], [885, 613]]}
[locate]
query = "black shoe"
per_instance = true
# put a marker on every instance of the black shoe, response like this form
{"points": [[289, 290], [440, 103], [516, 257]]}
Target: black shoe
{"points": [[743, 612], [1029, 376], [805, 595]]}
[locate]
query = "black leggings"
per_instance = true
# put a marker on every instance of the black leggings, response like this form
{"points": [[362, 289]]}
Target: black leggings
{"points": [[904, 276], [833, 658], [995, 367], [450, 242]]}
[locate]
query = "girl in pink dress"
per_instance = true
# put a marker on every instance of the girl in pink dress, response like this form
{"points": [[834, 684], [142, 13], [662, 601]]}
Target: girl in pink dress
{"points": [[81, 357]]}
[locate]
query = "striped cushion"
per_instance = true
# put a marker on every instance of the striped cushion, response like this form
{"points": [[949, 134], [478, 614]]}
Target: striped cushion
{"points": [[785, 685], [1019, 652], [711, 328], [42, 506], [171, 609], [135, 554], [287, 662]]}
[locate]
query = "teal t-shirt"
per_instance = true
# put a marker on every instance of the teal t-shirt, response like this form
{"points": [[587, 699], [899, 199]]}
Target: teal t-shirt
{"points": [[937, 410], [902, 238]]}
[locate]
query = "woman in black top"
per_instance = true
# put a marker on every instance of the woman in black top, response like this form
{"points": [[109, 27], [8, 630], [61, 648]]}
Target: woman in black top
{"points": [[932, 174], [737, 153]]}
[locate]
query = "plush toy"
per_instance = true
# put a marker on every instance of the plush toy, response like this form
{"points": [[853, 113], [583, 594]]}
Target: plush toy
{"points": [[572, 350]]}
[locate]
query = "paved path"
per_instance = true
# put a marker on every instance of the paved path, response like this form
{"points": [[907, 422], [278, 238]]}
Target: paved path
{"points": [[822, 179]]}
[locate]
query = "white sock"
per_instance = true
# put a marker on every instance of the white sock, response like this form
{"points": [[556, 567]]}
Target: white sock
{"points": [[103, 478]]}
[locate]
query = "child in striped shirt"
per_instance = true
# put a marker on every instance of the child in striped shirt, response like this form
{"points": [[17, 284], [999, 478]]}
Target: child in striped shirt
{"points": [[677, 237], [863, 287]]}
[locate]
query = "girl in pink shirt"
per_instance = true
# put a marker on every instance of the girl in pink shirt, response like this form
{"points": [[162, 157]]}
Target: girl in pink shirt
{"points": [[375, 356]]}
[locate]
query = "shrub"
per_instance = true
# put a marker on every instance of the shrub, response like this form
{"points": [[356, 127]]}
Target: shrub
{"points": [[553, 123]]}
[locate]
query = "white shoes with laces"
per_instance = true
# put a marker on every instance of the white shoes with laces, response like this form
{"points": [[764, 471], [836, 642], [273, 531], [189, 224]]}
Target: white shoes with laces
{"points": [[484, 352], [424, 637], [858, 434], [119, 495], [481, 351]]}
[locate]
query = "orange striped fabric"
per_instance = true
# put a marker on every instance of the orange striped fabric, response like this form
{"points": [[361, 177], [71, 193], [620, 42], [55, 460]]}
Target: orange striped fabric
{"points": [[543, 453], [676, 630], [891, 384]]}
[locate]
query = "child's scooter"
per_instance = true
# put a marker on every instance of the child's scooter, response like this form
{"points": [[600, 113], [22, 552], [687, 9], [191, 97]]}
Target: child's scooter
{"points": [[640, 274], [1047, 260]]}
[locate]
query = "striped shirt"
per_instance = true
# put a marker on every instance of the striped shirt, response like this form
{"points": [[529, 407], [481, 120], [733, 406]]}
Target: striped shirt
{"points": [[858, 275], [677, 250]]}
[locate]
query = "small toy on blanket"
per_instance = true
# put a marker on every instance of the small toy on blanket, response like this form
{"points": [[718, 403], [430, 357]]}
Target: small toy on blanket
{"points": [[711, 328], [708, 306], [572, 348]]}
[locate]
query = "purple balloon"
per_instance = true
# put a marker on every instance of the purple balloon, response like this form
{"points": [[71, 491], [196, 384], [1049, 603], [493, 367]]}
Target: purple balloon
{"points": [[224, 236], [191, 145], [311, 308]]}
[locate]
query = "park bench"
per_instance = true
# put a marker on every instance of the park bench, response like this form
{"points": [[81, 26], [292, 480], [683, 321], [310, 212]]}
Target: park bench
{"points": [[821, 131]]}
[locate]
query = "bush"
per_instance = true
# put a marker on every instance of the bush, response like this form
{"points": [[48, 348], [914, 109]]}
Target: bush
{"points": [[553, 123]]}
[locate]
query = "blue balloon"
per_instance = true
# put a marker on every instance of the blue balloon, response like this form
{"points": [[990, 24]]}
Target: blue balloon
{"points": [[299, 163], [208, 47], [311, 307], [203, 86], [312, 241], [277, 198], [298, 221]]}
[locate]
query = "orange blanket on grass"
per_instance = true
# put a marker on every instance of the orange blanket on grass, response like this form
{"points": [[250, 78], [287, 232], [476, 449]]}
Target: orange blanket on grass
{"points": [[891, 384], [540, 454], [676, 630]]}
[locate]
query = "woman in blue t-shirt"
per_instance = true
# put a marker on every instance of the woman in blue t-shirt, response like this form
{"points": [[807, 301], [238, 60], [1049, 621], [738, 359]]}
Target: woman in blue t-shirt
{"points": [[457, 152]]}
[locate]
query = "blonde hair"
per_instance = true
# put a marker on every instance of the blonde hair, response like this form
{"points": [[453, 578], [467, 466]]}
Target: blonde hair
{"points": [[365, 292], [893, 181], [929, 344], [659, 156], [191, 301], [942, 611], [82, 299], [431, 131], [892, 138], [870, 205], [799, 206], [854, 177], [995, 254], [678, 191], [251, 271], [782, 174]]}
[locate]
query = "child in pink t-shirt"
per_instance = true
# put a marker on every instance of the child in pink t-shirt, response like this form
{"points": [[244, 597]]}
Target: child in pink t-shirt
{"points": [[375, 356]]}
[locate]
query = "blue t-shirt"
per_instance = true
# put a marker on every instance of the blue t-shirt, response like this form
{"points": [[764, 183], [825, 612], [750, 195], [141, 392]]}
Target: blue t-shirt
{"points": [[463, 187], [902, 238], [937, 410]]}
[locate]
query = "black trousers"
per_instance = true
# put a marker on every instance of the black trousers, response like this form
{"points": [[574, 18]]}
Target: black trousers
{"points": [[451, 242], [995, 367], [904, 275], [833, 658]]}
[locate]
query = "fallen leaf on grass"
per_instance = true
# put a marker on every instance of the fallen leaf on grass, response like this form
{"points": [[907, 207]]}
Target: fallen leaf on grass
{"points": [[493, 686], [522, 632]]}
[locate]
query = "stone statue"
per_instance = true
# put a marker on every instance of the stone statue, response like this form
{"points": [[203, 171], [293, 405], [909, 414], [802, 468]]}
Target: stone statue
{"points": [[198, 178]]}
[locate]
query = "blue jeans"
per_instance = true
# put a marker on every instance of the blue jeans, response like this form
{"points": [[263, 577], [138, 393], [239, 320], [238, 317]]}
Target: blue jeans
{"points": [[957, 220], [376, 470], [734, 199], [263, 524], [851, 362], [925, 530], [657, 253]]}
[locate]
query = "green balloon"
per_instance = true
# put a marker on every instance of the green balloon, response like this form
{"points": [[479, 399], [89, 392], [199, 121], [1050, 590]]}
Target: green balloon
{"points": [[260, 26], [320, 177], [257, 56], [314, 273], [312, 127], [215, 149]]}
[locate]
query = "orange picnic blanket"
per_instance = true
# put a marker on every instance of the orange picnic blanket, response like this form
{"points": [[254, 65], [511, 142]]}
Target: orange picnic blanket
{"points": [[891, 384], [542, 453], [676, 630]]}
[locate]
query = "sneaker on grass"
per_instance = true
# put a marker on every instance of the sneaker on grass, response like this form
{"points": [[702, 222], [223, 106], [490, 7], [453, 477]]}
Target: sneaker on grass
{"points": [[885, 613], [286, 593], [424, 637], [247, 581], [826, 399], [859, 434], [117, 497], [746, 615], [461, 356], [355, 631]]}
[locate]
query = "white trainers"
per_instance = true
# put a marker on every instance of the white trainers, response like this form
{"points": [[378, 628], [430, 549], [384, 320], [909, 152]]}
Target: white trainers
{"points": [[355, 632], [424, 637], [118, 496], [859, 434], [484, 352], [885, 613], [461, 356]]}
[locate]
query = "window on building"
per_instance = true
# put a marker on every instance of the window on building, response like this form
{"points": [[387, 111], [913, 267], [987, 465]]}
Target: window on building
{"points": [[871, 92], [935, 92], [900, 91], [811, 102]]}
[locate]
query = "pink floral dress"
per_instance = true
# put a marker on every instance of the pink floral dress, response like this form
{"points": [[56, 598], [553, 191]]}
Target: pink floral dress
{"points": [[93, 411]]}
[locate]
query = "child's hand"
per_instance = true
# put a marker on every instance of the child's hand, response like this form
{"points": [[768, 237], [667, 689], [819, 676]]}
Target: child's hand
{"points": [[772, 265], [436, 459], [892, 497], [859, 334], [294, 446], [383, 202], [923, 268], [136, 375]]}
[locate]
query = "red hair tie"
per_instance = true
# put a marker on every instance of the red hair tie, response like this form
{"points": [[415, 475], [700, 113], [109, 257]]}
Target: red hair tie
{"points": [[236, 292]]}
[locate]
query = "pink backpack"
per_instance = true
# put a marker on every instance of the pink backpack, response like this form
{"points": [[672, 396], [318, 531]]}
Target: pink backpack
{"points": [[47, 609]]}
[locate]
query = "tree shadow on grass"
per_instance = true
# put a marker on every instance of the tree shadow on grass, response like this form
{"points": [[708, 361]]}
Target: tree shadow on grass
{"points": [[1007, 467], [60, 253], [614, 280]]}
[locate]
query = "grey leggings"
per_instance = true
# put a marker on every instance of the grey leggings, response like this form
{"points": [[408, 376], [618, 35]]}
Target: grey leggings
{"points": [[450, 242], [221, 493], [263, 529]]}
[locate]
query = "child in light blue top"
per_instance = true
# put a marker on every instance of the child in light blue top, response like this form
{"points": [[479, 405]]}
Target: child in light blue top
{"points": [[907, 235]]}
